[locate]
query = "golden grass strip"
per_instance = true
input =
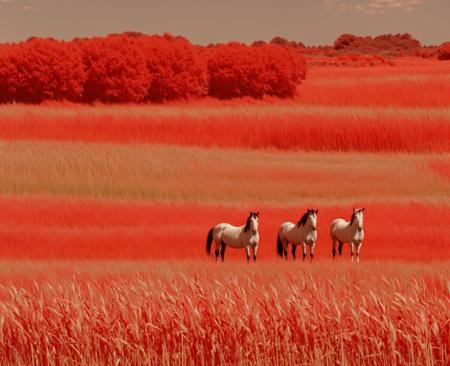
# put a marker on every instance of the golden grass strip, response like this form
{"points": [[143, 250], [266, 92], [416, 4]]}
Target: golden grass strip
{"points": [[180, 174]]}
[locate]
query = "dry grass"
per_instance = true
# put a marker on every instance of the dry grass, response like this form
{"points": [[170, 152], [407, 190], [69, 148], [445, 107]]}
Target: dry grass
{"points": [[193, 313], [180, 174]]}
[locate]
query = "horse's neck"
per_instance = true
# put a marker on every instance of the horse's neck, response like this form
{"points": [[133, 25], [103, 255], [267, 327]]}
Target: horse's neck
{"points": [[248, 232], [352, 227], [305, 229]]}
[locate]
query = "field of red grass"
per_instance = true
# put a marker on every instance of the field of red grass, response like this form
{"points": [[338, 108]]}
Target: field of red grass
{"points": [[306, 131], [104, 212], [198, 313], [39, 229]]}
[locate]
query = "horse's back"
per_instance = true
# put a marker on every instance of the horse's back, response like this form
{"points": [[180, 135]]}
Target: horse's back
{"points": [[285, 227], [231, 235], [336, 224]]}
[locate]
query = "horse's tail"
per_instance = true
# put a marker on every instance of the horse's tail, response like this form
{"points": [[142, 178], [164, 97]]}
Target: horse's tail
{"points": [[279, 246], [209, 240]]}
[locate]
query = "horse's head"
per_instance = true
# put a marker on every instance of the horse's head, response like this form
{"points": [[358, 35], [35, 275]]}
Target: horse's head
{"points": [[358, 218], [252, 222], [310, 217]]}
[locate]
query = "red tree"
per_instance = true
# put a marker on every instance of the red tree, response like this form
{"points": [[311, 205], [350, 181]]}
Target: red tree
{"points": [[444, 51], [41, 69], [237, 70], [116, 69], [176, 69], [9, 81]]}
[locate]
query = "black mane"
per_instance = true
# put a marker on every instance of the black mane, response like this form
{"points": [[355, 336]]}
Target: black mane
{"points": [[354, 214], [353, 217], [247, 224], [303, 219]]}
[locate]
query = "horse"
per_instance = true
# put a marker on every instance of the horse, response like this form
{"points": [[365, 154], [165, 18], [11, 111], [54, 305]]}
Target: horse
{"points": [[351, 232], [226, 235], [303, 233]]}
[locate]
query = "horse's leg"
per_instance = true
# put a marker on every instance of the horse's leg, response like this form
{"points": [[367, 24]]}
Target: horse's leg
{"points": [[341, 244], [311, 250], [255, 250], [304, 250], [217, 250], [358, 248], [334, 247], [222, 251], [352, 249], [247, 251], [285, 251], [294, 249]]}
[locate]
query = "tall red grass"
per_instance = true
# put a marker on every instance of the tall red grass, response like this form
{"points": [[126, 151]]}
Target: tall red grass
{"points": [[386, 93], [39, 228], [193, 313], [284, 132]]}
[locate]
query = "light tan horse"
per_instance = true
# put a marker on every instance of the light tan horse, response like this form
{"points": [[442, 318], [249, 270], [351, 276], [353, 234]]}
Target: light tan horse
{"points": [[303, 233], [226, 235], [351, 232]]}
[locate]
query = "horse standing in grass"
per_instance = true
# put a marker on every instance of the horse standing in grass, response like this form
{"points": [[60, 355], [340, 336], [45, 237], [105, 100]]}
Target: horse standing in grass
{"points": [[226, 235], [351, 232], [303, 233]]}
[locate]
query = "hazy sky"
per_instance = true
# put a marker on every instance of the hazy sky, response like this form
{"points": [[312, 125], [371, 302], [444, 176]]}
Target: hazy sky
{"points": [[205, 21]]}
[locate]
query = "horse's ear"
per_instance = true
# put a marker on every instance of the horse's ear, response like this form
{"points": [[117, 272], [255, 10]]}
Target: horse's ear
{"points": [[354, 210], [362, 210], [317, 211]]}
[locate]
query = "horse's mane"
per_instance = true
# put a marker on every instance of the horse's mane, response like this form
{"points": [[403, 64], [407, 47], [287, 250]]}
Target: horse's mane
{"points": [[353, 217], [247, 224], [303, 219], [354, 214]]}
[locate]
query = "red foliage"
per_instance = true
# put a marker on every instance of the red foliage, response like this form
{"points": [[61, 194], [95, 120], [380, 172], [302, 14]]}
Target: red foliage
{"points": [[116, 70], [385, 44], [133, 68], [41, 69], [176, 70], [9, 83], [236, 70], [444, 51], [349, 60]]}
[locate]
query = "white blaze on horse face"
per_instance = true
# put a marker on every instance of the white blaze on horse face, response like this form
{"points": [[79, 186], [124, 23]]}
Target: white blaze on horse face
{"points": [[359, 218], [254, 224], [313, 220]]}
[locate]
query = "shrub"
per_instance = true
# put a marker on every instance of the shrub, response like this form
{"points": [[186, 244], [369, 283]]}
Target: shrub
{"points": [[237, 70]]}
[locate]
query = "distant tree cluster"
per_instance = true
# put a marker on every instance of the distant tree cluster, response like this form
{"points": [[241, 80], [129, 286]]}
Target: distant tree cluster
{"points": [[385, 44], [136, 68], [444, 51]]}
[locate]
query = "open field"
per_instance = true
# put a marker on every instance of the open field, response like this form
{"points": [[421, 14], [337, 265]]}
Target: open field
{"points": [[38, 228], [104, 212]]}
